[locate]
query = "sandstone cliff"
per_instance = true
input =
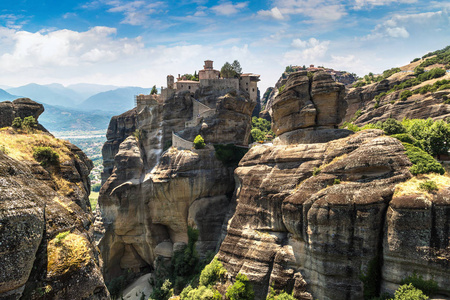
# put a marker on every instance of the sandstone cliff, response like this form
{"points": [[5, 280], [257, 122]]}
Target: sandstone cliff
{"points": [[317, 208], [46, 233], [154, 192], [363, 106]]}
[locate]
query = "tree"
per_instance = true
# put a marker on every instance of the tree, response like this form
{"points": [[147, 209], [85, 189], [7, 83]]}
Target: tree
{"points": [[17, 122], [199, 142], [237, 67], [242, 289], [154, 90], [227, 71]]}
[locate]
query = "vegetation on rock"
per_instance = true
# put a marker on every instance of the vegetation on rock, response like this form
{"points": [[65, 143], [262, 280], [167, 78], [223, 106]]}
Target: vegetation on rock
{"points": [[409, 292], [233, 70], [199, 142], [261, 130], [241, 289], [427, 286], [229, 154], [46, 156], [278, 295]]}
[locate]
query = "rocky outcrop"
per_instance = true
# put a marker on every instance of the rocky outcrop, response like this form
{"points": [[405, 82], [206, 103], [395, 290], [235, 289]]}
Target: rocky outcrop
{"points": [[155, 192], [418, 106], [46, 233], [318, 207], [316, 104], [22, 108], [120, 127], [317, 234]]}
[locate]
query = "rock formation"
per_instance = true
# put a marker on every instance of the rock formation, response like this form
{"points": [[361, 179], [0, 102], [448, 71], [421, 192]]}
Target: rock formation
{"points": [[155, 192], [318, 207], [22, 108], [418, 106], [46, 233]]}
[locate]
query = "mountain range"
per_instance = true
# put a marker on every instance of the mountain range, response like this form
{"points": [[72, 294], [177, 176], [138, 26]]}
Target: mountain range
{"points": [[76, 107]]}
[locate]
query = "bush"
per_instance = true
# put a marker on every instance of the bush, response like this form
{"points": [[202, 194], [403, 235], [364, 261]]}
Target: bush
{"points": [[316, 171], [392, 126], [212, 273], [429, 287], [409, 292], [407, 138], [199, 142], [428, 186], [163, 293], [46, 156], [229, 154], [422, 161], [17, 122], [242, 289], [29, 122], [337, 181], [200, 293], [278, 295], [4, 149], [371, 279], [257, 135], [405, 95]]}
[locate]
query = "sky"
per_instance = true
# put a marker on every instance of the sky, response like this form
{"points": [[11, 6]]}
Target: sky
{"points": [[138, 43]]}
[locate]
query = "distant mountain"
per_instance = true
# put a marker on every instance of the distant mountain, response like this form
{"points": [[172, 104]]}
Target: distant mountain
{"points": [[53, 94], [57, 118], [116, 101], [5, 96], [4, 87], [87, 90]]}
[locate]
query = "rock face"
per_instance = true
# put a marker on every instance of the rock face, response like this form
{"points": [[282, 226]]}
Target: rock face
{"points": [[312, 216], [154, 194], [418, 106], [119, 128], [22, 108], [316, 104], [46, 233]]}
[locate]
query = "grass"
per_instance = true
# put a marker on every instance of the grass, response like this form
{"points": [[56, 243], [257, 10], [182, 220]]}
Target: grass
{"points": [[67, 252], [93, 198], [20, 145], [413, 186]]}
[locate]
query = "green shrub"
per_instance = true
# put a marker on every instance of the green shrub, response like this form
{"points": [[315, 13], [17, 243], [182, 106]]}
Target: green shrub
{"points": [[29, 122], [359, 83], [281, 88], [212, 273], [278, 295], [409, 292], [429, 287], [230, 155], [316, 171], [199, 142], [61, 236], [371, 279], [138, 134], [407, 138], [46, 156], [337, 181], [351, 126], [405, 95], [241, 289], [163, 293], [428, 186], [200, 293], [392, 126], [422, 161], [118, 284], [17, 122], [257, 135]]}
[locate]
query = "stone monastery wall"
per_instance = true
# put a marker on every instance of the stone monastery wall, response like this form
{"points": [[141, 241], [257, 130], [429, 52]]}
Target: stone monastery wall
{"points": [[223, 83]]}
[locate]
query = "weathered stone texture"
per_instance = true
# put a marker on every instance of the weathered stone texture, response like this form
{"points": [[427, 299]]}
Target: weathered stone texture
{"points": [[292, 229], [22, 107]]}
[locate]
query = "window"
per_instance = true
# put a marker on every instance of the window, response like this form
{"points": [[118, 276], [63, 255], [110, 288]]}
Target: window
{"points": [[189, 87], [253, 89]]}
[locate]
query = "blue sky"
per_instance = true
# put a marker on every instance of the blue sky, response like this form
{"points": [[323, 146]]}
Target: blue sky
{"points": [[139, 42]]}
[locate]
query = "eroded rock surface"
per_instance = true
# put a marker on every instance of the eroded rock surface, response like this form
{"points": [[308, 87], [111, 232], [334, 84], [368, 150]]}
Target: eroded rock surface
{"points": [[46, 234], [22, 107], [154, 194], [317, 104]]}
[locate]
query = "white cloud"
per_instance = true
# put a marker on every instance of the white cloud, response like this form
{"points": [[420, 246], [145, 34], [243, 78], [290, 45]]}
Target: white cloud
{"points": [[135, 12], [319, 11], [400, 26], [228, 8], [306, 51], [359, 4], [274, 13]]}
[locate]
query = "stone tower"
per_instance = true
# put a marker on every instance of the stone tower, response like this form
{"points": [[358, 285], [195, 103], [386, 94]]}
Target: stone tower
{"points": [[170, 81]]}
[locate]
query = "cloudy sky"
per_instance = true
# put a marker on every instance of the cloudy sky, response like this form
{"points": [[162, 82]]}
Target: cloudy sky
{"points": [[139, 42]]}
